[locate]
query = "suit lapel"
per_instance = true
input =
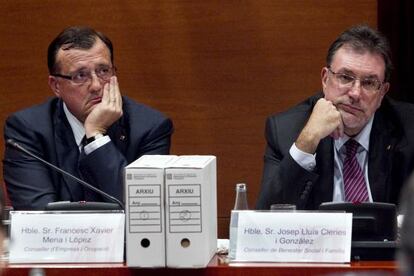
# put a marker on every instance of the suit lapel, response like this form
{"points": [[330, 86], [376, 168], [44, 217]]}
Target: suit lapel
{"points": [[119, 133], [381, 149], [325, 157]]}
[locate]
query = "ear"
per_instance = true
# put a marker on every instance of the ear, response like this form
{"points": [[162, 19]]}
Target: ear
{"points": [[384, 89], [54, 85], [324, 77]]}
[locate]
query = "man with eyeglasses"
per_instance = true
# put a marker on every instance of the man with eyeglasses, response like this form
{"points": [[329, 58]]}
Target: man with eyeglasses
{"points": [[88, 129], [350, 143]]}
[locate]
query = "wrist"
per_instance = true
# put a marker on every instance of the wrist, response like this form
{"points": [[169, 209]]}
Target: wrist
{"points": [[94, 137], [93, 132], [307, 142]]}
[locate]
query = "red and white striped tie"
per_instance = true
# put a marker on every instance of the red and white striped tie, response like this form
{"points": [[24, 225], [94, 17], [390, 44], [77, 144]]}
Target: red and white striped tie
{"points": [[354, 181]]}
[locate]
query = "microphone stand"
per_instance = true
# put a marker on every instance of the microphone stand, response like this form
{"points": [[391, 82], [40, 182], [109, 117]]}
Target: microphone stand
{"points": [[14, 144]]}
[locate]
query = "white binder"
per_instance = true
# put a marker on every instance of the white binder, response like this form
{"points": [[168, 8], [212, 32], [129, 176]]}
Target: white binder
{"points": [[145, 212], [191, 211]]}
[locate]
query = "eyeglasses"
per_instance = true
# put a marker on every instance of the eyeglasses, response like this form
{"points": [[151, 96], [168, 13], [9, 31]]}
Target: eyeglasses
{"points": [[368, 84], [83, 76]]}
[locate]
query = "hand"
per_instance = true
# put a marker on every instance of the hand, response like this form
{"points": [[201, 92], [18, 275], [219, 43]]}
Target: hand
{"points": [[107, 111], [325, 120]]}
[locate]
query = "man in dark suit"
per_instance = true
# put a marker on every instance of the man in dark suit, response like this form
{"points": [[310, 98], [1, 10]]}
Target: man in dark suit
{"points": [[88, 129], [307, 161]]}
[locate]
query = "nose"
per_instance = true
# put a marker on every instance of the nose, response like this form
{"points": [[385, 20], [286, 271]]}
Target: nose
{"points": [[356, 89], [96, 83]]}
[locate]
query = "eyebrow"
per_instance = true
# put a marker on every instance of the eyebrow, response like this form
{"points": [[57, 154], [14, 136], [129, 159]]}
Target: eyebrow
{"points": [[78, 70], [86, 68]]}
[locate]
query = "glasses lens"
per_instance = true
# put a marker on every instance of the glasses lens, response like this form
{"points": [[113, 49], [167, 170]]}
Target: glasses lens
{"points": [[344, 79], [81, 76], [104, 72], [370, 84]]}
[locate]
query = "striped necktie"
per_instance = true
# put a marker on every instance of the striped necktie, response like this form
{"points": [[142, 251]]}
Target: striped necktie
{"points": [[354, 181]]}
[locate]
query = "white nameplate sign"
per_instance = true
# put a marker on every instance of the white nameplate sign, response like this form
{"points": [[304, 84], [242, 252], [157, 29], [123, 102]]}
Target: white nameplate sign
{"points": [[293, 237], [67, 237]]}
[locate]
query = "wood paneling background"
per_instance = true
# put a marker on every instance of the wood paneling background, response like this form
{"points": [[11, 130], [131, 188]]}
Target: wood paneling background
{"points": [[217, 68]]}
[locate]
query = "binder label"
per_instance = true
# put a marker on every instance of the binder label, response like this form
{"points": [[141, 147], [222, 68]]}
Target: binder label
{"points": [[184, 202], [144, 208]]}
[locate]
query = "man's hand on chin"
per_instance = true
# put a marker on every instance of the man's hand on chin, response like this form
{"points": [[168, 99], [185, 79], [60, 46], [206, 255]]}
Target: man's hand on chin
{"points": [[108, 111], [325, 120]]}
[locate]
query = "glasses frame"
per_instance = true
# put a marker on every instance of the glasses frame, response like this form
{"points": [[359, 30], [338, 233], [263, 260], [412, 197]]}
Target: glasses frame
{"points": [[70, 77], [354, 79]]}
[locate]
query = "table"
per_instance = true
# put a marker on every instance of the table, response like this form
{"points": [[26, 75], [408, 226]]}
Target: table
{"points": [[218, 266]]}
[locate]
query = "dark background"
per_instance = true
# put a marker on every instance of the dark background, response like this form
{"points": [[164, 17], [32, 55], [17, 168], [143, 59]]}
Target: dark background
{"points": [[395, 20]]}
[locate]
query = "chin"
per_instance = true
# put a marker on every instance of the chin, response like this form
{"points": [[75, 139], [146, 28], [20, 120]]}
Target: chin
{"points": [[352, 120], [353, 128]]}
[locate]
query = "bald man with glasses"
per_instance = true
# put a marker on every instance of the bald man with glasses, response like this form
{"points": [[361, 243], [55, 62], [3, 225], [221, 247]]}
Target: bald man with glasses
{"points": [[88, 129], [350, 143]]}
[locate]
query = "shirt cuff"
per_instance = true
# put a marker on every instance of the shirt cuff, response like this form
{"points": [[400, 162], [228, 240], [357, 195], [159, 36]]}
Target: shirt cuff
{"points": [[96, 144], [304, 159]]}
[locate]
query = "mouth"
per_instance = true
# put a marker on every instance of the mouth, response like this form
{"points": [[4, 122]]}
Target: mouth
{"points": [[350, 108], [96, 100]]}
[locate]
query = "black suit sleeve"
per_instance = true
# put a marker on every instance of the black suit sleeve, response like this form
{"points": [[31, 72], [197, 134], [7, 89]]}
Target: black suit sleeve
{"points": [[29, 182], [158, 140], [284, 180]]}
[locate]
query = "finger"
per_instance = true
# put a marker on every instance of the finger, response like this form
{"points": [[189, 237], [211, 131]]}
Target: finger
{"points": [[338, 131], [341, 126], [115, 93], [111, 89], [108, 87], [106, 98]]}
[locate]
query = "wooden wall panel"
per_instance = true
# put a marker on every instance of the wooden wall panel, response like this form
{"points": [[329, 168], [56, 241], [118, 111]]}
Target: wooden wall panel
{"points": [[217, 68]]}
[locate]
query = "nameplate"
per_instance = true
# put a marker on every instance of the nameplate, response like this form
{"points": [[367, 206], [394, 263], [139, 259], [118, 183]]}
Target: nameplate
{"points": [[67, 237], [292, 237]]}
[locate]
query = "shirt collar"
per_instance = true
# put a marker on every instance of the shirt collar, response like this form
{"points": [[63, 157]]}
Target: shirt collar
{"points": [[362, 138], [76, 126]]}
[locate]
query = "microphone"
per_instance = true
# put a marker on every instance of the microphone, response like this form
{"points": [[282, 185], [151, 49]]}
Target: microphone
{"points": [[17, 146]]}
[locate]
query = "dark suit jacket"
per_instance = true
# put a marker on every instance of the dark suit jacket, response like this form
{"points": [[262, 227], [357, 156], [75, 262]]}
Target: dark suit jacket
{"points": [[390, 157], [45, 131]]}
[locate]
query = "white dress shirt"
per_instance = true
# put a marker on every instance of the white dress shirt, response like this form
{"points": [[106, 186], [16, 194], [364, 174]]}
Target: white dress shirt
{"points": [[79, 132]]}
